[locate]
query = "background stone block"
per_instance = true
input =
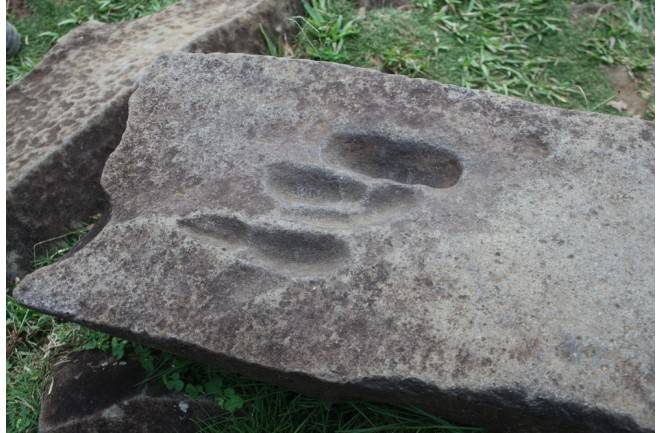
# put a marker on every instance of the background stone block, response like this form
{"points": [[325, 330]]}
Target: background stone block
{"points": [[68, 114]]}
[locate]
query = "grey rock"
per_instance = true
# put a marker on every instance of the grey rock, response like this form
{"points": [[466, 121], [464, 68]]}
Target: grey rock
{"points": [[12, 40], [351, 234], [92, 392], [69, 113]]}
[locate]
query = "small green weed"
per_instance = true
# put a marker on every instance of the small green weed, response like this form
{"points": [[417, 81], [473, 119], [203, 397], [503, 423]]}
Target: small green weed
{"points": [[273, 48], [49, 251], [325, 29]]}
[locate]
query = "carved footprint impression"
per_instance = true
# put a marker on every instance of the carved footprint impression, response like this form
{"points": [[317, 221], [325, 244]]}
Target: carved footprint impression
{"points": [[325, 199], [322, 196], [403, 162], [300, 251]]}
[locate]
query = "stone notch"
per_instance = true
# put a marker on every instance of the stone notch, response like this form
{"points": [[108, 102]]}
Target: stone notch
{"points": [[352, 234], [67, 115], [92, 392]]}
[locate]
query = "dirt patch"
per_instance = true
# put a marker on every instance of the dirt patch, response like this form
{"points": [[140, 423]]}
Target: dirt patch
{"points": [[18, 8], [627, 98], [591, 8], [375, 4]]}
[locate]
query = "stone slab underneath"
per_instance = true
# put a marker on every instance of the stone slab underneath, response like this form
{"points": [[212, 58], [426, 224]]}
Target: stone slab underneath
{"points": [[92, 392]]}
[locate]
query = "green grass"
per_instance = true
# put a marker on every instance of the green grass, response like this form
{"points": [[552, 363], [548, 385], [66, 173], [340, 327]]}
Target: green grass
{"points": [[532, 49]]}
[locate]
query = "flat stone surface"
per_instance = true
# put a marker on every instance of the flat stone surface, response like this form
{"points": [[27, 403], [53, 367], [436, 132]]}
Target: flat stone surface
{"points": [[348, 233], [92, 392], [67, 115]]}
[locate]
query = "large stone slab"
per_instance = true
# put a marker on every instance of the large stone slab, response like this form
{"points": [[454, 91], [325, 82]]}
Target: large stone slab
{"points": [[348, 233], [91, 392], [65, 117]]}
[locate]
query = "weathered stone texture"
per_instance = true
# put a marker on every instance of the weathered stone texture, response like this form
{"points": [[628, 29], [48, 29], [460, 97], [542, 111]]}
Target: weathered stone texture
{"points": [[67, 115], [349, 233], [91, 392]]}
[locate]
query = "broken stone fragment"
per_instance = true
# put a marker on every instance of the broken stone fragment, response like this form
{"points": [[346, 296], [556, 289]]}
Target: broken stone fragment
{"points": [[92, 392], [352, 234], [69, 113]]}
